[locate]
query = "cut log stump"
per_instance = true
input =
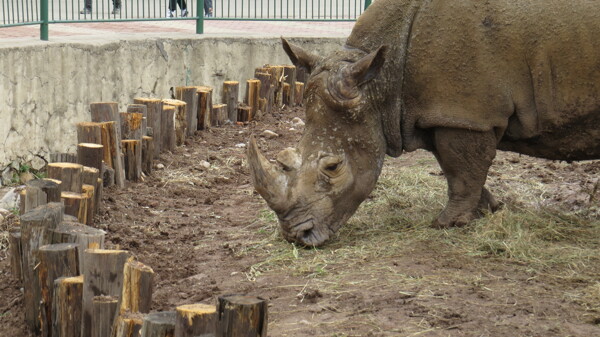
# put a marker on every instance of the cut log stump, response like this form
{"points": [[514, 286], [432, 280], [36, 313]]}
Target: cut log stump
{"points": [[131, 125], [180, 119], [56, 260], [138, 281], [244, 113], [132, 150], [128, 325], [89, 132], [76, 205], [230, 97], [155, 117], [15, 251], [147, 154], [83, 236], [112, 151], [168, 128], [90, 155], [241, 316], [252, 97], [159, 324], [188, 95], [196, 320], [70, 175], [66, 308], [40, 192], [205, 105], [103, 315], [220, 113], [143, 109]]}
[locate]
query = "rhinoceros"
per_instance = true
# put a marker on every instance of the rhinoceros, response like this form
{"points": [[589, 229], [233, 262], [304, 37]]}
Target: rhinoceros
{"points": [[459, 78]]}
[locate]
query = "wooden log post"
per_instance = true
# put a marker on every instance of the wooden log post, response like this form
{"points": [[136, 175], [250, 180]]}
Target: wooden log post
{"points": [[66, 307], [299, 93], [35, 226], [289, 74], [285, 94], [143, 109], [89, 191], [83, 236], [180, 119], [252, 97], [90, 154], [70, 174], [112, 151], [196, 320], [22, 198], [89, 132], [244, 113], [15, 252], [220, 113], [159, 324], [131, 125], [99, 191], [90, 177], [56, 260], [147, 154], [230, 96], [205, 106], [128, 325], [132, 150], [103, 313], [241, 316], [168, 128], [102, 275], [63, 157], [155, 118], [188, 95], [108, 175], [276, 73], [75, 205], [104, 112], [40, 192], [265, 98], [138, 281]]}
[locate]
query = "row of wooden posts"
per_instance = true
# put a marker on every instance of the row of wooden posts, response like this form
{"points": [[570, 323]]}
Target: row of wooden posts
{"points": [[73, 286]]}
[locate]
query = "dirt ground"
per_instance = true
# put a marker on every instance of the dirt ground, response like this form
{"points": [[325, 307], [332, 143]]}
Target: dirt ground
{"points": [[200, 226]]}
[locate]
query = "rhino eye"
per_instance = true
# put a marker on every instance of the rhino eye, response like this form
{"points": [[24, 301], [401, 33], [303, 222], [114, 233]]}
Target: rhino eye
{"points": [[332, 167]]}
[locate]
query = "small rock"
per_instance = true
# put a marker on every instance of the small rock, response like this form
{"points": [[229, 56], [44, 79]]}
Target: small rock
{"points": [[160, 166], [10, 199], [7, 176], [25, 177], [37, 163], [4, 212], [240, 145], [205, 164], [297, 123], [269, 134]]}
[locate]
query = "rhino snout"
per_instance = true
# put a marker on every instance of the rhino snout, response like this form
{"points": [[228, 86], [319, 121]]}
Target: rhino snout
{"points": [[305, 232]]}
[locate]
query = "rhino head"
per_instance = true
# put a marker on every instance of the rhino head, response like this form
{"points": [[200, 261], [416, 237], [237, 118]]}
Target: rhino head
{"points": [[316, 187]]}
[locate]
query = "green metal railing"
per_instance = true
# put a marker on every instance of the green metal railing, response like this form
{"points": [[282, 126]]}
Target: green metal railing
{"points": [[46, 12]]}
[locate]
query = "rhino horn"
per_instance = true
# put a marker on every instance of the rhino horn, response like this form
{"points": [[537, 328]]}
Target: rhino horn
{"points": [[300, 57], [268, 179], [368, 66]]}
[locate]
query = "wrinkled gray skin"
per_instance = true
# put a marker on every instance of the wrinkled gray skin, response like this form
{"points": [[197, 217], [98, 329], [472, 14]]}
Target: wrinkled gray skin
{"points": [[458, 78]]}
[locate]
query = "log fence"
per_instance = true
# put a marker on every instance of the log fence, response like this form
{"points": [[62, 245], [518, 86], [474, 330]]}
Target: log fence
{"points": [[73, 285]]}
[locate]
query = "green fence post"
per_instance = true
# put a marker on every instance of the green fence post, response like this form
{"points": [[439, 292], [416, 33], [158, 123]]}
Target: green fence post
{"points": [[44, 17], [367, 4], [199, 16]]}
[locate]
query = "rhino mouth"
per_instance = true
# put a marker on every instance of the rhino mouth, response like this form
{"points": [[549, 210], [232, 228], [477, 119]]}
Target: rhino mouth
{"points": [[307, 233]]}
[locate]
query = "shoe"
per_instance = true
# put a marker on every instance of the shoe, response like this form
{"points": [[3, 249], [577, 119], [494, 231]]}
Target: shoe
{"points": [[170, 13], [116, 11], [86, 11], [184, 13]]}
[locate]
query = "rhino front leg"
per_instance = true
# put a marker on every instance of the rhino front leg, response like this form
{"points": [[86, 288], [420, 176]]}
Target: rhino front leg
{"points": [[465, 157]]}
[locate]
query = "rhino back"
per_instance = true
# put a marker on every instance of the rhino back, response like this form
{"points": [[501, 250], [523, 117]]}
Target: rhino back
{"points": [[523, 68]]}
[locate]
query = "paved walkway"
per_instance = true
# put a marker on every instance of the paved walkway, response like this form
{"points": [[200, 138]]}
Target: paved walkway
{"points": [[78, 32]]}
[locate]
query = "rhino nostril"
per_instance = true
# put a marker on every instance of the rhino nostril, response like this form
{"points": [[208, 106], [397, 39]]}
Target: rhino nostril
{"points": [[303, 226]]}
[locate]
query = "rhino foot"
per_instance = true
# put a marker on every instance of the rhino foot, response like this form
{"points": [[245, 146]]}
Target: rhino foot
{"points": [[452, 218]]}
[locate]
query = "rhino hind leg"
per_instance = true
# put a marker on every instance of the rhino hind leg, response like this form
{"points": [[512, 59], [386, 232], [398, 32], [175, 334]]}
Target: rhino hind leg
{"points": [[465, 157]]}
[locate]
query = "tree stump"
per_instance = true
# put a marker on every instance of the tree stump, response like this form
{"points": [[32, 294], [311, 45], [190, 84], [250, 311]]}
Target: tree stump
{"points": [[168, 128], [70, 175], [285, 94], [276, 73], [75, 205], [15, 252], [128, 325], [103, 315], [252, 96], [138, 281], [159, 324], [112, 151], [131, 125], [35, 226], [230, 96], [143, 109], [241, 316], [155, 118], [188, 95], [147, 154], [265, 98], [102, 275], [40, 192], [220, 113], [108, 175], [22, 198], [99, 191], [83, 236], [180, 119], [89, 132], [66, 308], [244, 113], [204, 107], [56, 260], [91, 176], [196, 320], [89, 191], [91, 155], [289, 74], [132, 150], [299, 93]]}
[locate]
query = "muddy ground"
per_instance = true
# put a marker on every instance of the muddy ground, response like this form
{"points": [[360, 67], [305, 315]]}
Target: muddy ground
{"points": [[200, 226]]}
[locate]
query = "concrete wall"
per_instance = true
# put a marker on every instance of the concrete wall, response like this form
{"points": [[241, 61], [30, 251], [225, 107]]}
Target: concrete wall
{"points": [[45, 89]]}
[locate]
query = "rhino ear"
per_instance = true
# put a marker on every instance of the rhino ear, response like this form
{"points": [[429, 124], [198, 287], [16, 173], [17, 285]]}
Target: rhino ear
{"points": [[299, 56], [368, 67]]}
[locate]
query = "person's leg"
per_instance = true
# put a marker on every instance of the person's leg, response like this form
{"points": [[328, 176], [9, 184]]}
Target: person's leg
{"points": [[183, 6]]}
